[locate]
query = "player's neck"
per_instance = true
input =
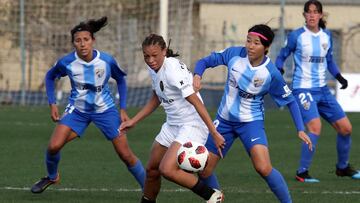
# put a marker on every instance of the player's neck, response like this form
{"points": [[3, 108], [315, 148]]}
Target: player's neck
{"points": [[313, 29]]}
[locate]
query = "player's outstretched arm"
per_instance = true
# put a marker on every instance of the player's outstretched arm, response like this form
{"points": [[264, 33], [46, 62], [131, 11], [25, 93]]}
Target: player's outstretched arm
{"points": [[152, 104], [200, 108]]}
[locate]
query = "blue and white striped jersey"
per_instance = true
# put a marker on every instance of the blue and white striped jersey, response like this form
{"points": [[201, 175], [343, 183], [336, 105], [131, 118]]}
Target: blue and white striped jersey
{"points": [[312, 54], [90, 91], [246, 85]]}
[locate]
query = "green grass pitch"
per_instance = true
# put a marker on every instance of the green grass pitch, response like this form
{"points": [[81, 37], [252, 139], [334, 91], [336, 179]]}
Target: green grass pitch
{"points": [[92, 172]]}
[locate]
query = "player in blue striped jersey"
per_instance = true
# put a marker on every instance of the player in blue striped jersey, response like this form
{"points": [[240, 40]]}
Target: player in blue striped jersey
{"points": [[251, 75], [312, 47], [89, 71]]}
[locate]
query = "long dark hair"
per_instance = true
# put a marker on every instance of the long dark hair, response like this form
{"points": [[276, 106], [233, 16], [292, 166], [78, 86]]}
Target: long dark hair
{"points": [[91, 26], [154, 39], [322, 22]]}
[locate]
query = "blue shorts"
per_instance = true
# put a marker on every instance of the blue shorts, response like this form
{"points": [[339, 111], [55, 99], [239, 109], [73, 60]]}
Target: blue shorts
{"points": [[108, 121], [250, 134], [314, 103]]}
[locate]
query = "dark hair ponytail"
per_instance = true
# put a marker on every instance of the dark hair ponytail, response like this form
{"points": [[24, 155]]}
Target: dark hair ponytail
{"points": [[322, 22], [91, 26], [154, 39]]}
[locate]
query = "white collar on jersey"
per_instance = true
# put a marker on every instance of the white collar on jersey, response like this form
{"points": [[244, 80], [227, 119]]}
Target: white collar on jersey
{"points": [[313, 33], [92, 61]]}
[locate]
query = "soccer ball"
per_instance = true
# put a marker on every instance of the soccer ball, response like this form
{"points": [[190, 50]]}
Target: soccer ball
{"points": [[192, 156]]}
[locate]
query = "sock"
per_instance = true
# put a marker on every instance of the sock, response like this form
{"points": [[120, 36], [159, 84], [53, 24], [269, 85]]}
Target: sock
{"points": [[306, 154], [52, 162], [211, 181], [138, 172], [278, 186], [202, 190], [343, 145], [146, 200]]}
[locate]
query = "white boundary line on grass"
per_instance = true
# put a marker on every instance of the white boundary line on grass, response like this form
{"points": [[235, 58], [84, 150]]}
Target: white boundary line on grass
{"points": [[172, 190]]}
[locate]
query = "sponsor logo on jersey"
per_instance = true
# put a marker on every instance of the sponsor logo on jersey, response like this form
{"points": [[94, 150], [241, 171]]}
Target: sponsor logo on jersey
{"points": [[167, 101], [161, 86], [258, 82], [245, 95], [99, 72], [287, 91], [316, 59]]}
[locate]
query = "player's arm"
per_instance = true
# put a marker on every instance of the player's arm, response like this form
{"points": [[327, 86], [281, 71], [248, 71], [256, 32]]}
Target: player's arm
{"points": [[200, 108], [120, 77], [333, 68], [55, 72], [150, 106], [286, 51], [213, 60], [282, 95]]}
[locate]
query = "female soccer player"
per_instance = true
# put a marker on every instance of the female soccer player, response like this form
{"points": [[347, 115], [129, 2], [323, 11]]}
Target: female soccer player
{"points": [[312, 48], [251, 75], [187, 119], [90, 100]]}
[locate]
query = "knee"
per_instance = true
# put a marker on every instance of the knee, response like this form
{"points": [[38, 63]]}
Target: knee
{"points": [[152, 173], [346, 130], [166, 172], [263, 170], [54, 148]]}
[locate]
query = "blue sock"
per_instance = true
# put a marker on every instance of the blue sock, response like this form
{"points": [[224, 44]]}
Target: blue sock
{"points": [[52, 162], [306, 154], [278, 186], [211, 181], [343, 145], [138, 172]]}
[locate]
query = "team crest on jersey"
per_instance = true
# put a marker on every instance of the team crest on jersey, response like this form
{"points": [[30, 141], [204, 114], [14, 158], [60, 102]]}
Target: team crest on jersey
{"points": [[306, 105], [161, 86], [99, 72], [324, 46], [258, 82]]}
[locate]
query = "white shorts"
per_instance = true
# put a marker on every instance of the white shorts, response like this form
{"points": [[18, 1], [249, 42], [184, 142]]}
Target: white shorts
{"points": [[184, 133]]}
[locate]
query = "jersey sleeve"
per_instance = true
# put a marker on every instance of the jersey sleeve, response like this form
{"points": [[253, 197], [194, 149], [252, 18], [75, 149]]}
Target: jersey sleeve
{"points": [[180, 77], [331, 65], [55, 72], [290, 46], [217, 58], [120, 76], [279, 90]]}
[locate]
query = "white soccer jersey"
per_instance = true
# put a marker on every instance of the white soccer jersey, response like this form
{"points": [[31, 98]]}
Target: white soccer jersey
{"points": [[172, 84]]}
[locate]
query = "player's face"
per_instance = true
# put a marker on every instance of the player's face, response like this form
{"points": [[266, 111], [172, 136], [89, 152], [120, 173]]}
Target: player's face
{"points": [[154, 56], [312, 17], [255, 49], [83, 43]]}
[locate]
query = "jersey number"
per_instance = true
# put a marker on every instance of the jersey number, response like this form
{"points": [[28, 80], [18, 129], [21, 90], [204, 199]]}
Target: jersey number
{"points": [[304, 99]]}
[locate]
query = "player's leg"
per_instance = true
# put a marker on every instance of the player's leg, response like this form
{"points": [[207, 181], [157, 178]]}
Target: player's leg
{"points": [[261, 161], [108, 122], [71, 125], [307, 102], [153, 176], [133, 164], [334, 114]]}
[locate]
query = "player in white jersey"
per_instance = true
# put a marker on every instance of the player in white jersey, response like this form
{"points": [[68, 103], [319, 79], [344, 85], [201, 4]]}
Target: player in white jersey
{"points": [[187, 120], [312, 47], [251, 75], [89, 71]]}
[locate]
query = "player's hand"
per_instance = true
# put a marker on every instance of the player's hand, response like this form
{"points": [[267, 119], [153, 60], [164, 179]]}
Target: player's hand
{"points": [[54, 111], [197, 83], [126, 125], [304, 137], [219, 142], [123, 115], [342, 81]]}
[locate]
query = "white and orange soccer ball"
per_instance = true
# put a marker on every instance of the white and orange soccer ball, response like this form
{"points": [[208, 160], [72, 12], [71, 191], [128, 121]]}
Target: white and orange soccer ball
{"points": [[192, 156]]}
